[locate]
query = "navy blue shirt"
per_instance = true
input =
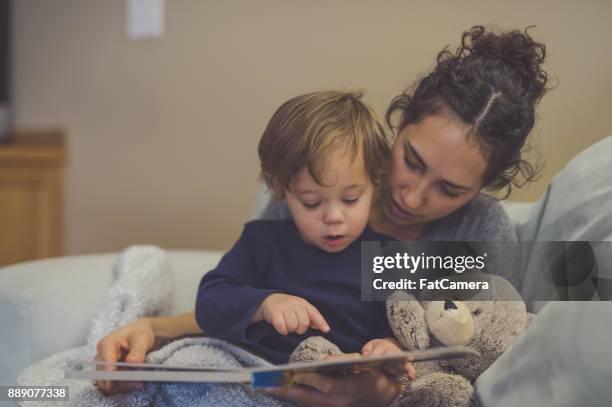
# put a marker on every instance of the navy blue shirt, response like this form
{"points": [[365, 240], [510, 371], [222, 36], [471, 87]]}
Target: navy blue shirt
{"points": [[270, 257]]}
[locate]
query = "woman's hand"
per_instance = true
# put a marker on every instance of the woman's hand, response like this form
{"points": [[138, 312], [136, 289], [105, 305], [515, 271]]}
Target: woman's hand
{"points": [[288, 313], [130, 343], [369, 387]]}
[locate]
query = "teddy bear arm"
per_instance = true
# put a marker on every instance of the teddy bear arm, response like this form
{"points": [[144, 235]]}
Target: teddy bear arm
{"points": [[406, 318], [314, 349], [437, 390]]}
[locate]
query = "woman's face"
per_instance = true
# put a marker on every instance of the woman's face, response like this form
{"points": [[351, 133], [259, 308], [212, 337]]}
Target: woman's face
{"points": [[435, 170]]}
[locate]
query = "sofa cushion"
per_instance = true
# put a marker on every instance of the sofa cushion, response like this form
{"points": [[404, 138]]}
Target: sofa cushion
{"points": [[46, 305]]}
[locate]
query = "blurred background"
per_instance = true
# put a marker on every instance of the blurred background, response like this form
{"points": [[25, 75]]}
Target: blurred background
{"points": [[162, 129]]}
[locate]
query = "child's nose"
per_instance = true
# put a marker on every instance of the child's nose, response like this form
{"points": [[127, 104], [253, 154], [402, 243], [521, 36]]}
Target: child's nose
{"points": [[333, 214]]}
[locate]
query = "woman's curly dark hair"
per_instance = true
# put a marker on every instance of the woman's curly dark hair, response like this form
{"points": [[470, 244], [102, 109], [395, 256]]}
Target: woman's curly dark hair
{"points": [[492, 83]]}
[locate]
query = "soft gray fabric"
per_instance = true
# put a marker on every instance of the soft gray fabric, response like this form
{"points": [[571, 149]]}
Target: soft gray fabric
{"points": [[189, 351], [143, 286], [275, 210], [562, 360], [564, 357], [577, 206], [518, 211], [481, 220]]}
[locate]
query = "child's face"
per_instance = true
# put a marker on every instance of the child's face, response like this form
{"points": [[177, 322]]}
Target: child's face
{"points": [[332, 216]]}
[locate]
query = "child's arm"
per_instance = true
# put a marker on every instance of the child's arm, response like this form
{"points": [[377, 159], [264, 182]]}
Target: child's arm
{"points": [[234, 302], [229, 295]]}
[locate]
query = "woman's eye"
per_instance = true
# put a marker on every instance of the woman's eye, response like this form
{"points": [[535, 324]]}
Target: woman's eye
{"points": [[447, 192], [350, 201], [411, 164], [311, 205]]}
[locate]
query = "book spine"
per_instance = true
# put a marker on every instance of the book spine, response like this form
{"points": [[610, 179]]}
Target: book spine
{"points": [[283, 378]]}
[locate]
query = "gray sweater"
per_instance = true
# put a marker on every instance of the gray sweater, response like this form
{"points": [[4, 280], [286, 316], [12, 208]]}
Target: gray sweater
{"points": [[480, 220]]}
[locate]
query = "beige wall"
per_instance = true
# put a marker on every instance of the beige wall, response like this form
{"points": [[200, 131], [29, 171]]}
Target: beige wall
{"points": [[163, 133]]}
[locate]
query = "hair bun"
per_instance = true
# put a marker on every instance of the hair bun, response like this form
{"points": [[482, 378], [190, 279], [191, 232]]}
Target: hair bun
{"points": [[491, 84], [515, 49]]}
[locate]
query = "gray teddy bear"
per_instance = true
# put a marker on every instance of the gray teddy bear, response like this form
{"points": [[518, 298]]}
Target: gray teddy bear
{"points": [[489, 321]]}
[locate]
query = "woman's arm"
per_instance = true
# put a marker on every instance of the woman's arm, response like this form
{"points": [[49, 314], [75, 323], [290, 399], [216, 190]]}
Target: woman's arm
{"points": [[172, 327]]}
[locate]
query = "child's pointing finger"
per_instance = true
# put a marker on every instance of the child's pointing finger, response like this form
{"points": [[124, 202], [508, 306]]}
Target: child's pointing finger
{"points": [[316, 319]]}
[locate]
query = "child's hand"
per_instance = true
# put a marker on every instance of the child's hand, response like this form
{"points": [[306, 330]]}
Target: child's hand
{"points": [[380, 347], [288, 313], [387, 346]]}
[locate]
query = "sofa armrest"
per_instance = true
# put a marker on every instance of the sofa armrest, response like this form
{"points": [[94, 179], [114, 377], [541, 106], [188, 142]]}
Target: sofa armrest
{"points": [[47, 305]]}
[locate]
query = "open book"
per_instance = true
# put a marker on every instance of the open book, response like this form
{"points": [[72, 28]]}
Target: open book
{"points": [[257, 377]]}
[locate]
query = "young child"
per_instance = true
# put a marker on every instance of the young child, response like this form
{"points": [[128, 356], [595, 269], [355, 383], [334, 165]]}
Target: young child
{"points": [[286, 280]]}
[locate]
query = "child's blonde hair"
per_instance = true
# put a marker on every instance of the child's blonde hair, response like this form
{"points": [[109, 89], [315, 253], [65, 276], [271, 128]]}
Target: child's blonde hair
{"points": [[306, 129]]}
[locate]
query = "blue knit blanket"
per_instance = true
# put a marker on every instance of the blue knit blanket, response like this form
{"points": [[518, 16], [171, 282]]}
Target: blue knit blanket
{"points": [[143, 287]]}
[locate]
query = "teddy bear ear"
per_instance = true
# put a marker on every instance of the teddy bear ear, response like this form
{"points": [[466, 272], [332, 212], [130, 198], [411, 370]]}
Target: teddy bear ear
{"points": [[407, 321]]}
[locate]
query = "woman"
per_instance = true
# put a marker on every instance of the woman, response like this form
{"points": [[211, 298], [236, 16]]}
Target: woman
{"points": [[460, 130]]}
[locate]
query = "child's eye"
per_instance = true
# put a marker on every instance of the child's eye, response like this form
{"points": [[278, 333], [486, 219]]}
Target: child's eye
{"points": [[350, 201], [311, 205], [447, 192]]}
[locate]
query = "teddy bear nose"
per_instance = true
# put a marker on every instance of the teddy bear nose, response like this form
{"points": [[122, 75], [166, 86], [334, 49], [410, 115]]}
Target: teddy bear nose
{"points": [[449, 305]]}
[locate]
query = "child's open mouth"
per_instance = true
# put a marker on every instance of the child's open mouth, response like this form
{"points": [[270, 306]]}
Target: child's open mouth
{"points": [[333, 241]]}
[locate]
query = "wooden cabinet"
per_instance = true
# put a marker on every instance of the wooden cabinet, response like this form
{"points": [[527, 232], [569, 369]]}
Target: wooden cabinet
{"points": [[32, 195]]}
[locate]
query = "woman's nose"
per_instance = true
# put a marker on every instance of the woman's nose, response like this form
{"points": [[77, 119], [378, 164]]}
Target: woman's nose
{"points": [[413, 197]]}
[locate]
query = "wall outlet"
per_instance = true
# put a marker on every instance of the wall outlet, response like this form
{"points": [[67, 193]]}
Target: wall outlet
{"points": [[144, 19]]}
